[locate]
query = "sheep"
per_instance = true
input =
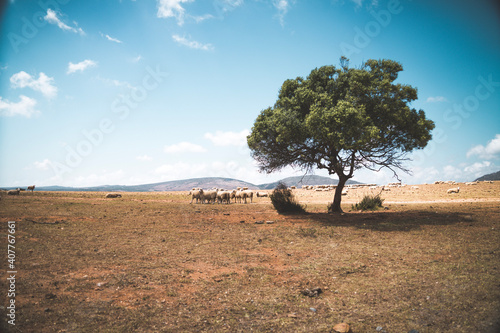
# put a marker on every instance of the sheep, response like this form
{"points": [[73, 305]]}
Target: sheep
{"points": [[195, 193], [209, 196], [471, 183], [113, 195], [233, 195], [14, 192], [31, 188], [261, 194], [224, 196], [238, 195], [248, 194], [453, 190]]}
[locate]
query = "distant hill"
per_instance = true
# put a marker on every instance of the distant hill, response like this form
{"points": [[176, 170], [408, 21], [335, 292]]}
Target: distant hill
{"points": [[174, 185], [188, 184], [491, 176], [305, 180]]}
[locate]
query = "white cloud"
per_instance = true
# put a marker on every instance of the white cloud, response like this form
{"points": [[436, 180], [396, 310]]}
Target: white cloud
{"points": [[224, 6], [436, 99], [282, 6], [137, 59], [108, 37], [172, 8], [181, 170], [81, 66], [229, 169], [102, 178], [144, 158], [184, 147], [199, 19], [451, 172], [221, 138], [491, 151], [192, 43], [116, 83], [25, 107], [43, 84], [43, 165], [478, 168], [53, 18]]}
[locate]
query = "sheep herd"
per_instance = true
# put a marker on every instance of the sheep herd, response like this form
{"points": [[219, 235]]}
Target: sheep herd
{"points": [[221, 196]]}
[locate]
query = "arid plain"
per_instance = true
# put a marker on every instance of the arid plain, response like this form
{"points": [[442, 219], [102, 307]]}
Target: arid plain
{"points": [[152, 262]]}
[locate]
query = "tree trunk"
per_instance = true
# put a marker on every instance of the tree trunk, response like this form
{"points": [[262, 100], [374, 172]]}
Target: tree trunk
{"points": [[335, 208]]}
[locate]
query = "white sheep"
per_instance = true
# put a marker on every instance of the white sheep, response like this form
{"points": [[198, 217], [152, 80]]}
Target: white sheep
{"points": [[248, 194], [14, 192], [224, 196], [209, 196], [237, 196], [195, 193], [453, 190]]}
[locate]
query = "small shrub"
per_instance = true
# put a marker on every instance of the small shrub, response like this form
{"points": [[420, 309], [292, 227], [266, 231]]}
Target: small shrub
{"points": [[284, 201], [369, 202]]}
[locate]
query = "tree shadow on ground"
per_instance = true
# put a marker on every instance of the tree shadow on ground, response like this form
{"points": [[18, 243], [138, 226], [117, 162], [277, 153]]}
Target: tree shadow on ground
{"points": [[388, 221]]}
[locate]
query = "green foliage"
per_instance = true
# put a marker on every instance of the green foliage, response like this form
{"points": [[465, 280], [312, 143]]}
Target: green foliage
{"points": [[284, 201], [369, 202], [341, 119]]}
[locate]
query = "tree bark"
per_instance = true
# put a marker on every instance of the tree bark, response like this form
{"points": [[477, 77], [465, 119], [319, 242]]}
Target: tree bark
{"points": [[337, 199]]}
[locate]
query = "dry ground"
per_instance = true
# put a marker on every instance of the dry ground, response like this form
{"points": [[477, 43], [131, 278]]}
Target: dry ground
{"points": [[151, 262]]}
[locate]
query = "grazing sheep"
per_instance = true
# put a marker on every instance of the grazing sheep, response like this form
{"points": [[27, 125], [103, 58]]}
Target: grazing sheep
{"points": [[224, 196], [196, 193], [14, 192], [238, 195], [233, 195], [113, 195], [453, 190], [248, 194], [261, 194], [209, 196], [31, 188]]}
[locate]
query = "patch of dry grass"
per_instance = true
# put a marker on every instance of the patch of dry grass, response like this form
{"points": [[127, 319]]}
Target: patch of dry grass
{"points": [[152, 262]]}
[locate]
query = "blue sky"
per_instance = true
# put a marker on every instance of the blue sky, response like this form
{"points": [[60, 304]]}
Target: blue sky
{"points": [[130, 92]]}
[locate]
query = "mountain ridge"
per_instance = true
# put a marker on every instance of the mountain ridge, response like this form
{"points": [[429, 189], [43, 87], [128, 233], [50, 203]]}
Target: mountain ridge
{"points": [[490, 176], [204, 182]]}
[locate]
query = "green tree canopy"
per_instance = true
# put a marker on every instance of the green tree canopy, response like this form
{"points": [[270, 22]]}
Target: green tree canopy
{"points": [[341, 119]]}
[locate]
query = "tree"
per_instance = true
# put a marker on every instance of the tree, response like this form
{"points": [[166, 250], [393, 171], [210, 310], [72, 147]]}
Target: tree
{"points": [[341, 119]]}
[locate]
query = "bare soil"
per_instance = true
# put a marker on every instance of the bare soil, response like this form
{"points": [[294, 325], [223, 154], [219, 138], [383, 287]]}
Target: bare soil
{"points": [[152, 262]]}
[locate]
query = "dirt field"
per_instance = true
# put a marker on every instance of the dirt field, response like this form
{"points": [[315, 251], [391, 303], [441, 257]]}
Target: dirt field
{"points": [[152, 262]]}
